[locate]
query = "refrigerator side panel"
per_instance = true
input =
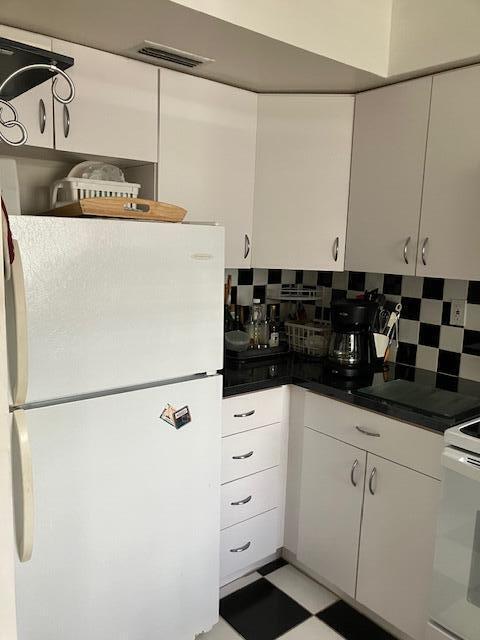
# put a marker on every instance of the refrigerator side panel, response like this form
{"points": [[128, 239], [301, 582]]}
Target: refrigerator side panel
{"points": [[126, 517], [112, 304]]}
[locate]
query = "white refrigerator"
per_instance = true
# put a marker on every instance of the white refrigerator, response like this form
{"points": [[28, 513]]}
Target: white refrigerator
{"points": [[114, 340]]}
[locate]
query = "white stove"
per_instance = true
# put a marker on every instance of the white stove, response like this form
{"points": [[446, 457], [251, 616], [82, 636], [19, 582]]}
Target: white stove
{"points": [[465, 436], [456, 578]]}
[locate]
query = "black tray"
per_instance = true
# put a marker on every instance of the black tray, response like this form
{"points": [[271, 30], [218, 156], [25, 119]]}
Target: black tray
{"points": [[256, 354]]}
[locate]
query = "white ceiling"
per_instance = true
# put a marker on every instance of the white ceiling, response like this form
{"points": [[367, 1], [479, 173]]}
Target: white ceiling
{"points": [[242, 57]]}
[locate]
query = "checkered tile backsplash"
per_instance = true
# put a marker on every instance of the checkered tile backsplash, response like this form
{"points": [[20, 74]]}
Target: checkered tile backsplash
{"points": [[427, 340]]}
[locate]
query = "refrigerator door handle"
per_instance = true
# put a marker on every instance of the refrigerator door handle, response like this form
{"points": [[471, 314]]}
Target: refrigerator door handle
{"points": [[21, 347], [22, 486]]}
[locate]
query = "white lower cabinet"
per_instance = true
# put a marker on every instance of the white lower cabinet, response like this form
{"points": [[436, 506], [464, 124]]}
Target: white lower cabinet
{"points": [[397, 544], [331, 508], [249, 496], [248, 542], [254, 454], [373, 541], [251, 451]]}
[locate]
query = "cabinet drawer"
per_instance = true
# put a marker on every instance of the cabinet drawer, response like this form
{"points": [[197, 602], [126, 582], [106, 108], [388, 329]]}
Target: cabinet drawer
{"points": [[251, 410], [247, 497], [249, 452], [248, 542], [406, 444]]}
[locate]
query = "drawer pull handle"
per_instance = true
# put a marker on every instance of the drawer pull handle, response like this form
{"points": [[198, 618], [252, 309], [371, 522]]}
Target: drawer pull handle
{"points": [[352, 473], [240, 502], [240, 549], [243, 456], [366, 432], [244, 415], [370, 481]]}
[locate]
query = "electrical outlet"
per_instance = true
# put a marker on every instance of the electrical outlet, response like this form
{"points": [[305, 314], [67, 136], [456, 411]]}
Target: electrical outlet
{"points": [[457, 313]]}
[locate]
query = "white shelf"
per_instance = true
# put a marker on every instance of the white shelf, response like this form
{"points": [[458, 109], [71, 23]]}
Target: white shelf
{"points": [[298, 293]]}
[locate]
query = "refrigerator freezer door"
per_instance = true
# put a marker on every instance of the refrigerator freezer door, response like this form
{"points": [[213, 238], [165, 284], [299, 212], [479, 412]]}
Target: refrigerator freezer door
{"points": [[126, 537], [114, 303]]}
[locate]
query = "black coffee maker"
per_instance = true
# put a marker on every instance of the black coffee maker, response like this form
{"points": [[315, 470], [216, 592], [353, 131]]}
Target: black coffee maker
{"points": [[351, 350]]}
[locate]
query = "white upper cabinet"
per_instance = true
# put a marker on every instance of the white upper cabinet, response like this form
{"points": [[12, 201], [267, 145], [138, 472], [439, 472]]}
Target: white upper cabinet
{"points": [[115, 110], [450, 223], [207, 156], [389, 140], [34, 107], [302, 181]]}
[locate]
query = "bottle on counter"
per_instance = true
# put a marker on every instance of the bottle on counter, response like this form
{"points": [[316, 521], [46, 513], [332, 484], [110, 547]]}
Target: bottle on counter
{"points": [[274, 329], [258, 326]]}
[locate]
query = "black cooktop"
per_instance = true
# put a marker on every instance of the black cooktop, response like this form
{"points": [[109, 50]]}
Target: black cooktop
{"points": [[472, 430], [426, 399]]}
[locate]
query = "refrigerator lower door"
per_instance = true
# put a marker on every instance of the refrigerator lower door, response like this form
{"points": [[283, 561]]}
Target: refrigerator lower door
{"points": [[106, 304], [126, 517]]}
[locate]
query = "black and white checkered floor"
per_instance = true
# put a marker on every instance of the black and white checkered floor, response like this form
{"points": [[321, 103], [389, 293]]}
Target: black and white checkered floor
{"points": [[277, 601]]}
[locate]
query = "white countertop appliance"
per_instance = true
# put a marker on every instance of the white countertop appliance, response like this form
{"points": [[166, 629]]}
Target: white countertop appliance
{"points": [[114, 341], [456, 578]]}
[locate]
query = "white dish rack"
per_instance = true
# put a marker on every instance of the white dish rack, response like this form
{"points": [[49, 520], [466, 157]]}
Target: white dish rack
{"points": [[298, 293], [310, 338], [73, 189]]}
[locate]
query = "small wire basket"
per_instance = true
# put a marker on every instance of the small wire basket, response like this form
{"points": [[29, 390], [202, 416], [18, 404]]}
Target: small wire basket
{"points": [[311, 338]]}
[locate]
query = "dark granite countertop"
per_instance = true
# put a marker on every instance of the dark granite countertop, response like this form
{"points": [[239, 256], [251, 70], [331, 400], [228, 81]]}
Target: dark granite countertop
{"points": [[452, 400]]}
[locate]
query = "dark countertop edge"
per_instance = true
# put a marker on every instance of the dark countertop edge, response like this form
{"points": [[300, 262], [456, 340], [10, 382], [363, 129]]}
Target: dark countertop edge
{"points": [[261, 385], [391, 410]]}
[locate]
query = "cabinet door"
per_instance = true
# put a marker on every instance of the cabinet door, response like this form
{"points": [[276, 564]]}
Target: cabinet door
{"points": [[35, 107], [115, 109], [331, 497], [397, 544], [207, 156], [302, 180], [450, 221], [388, 156]]}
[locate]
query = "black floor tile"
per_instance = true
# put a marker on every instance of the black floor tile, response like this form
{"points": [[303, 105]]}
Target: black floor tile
{"points": [[352, 625], [260, 611], [272, 566]]}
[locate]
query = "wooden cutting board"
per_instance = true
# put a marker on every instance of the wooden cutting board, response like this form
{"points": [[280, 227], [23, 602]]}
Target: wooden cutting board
{"points": [[133, 208]]}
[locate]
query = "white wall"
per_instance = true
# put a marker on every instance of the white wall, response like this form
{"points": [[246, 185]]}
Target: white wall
{"points": [[355, 32], [427, 33]]}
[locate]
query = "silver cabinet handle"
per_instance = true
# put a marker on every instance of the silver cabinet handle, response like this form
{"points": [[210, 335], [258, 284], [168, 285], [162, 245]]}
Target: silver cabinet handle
{"points": [[66, 121], [247, 246], [424, 251], [336, 245], [247, 414], [240, 549], [366, 432], [405, 249], [371, 479], [243, 456], [238, 503], [42, 115], [352, 473]]}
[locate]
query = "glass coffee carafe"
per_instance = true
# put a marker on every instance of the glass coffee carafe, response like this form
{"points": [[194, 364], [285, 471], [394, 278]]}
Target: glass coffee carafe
{"points": [[351, 350]]}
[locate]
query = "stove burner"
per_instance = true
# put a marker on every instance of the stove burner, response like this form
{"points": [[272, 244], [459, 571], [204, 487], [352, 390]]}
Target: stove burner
{"points": [[472, 430]]}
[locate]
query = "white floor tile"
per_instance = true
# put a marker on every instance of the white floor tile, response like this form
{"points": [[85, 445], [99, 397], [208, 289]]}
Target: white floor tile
{"points": [[221, 631], [301, 588], [311, 629], [239, 583]]}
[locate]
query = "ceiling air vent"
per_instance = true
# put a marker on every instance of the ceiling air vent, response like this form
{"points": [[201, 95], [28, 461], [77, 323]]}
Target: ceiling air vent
{"points": [[171, 56]]}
